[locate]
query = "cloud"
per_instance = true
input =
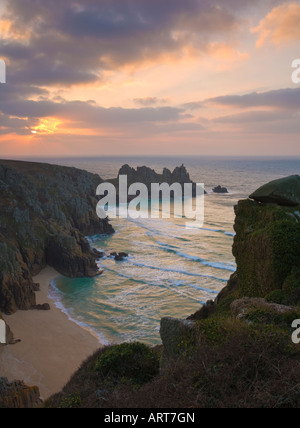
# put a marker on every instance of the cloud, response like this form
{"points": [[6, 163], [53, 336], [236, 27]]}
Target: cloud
{"points": [[14, 125], [280, 99], [71, 42], [255, 117], [280, 26], [150, 101], [194, 105], [79, 114]]}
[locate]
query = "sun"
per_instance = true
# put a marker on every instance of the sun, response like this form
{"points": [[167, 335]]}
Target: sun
{"points": [[46, 126]]}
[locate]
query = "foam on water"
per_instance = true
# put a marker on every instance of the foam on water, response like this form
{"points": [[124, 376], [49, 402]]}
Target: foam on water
{"points": [[57, 296]]}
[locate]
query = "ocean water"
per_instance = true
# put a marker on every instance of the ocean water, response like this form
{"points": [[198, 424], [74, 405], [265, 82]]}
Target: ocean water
{"points": [[171, 270]]}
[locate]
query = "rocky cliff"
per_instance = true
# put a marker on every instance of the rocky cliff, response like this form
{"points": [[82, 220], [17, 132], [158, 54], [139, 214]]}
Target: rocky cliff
{"points": [[148, 176], [45, 213], [267, 244], [267, 281], [16, 395]]}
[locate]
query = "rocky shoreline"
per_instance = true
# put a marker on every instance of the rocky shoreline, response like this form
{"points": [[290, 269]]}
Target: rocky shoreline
{"points": [[45, 213], [263, 295]]}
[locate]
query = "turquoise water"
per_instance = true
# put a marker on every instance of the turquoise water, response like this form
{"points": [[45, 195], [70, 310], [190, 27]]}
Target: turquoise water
{"points": [[171, 270]]}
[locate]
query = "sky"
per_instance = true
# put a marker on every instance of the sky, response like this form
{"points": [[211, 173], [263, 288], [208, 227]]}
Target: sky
{"points": [[149, 77]]}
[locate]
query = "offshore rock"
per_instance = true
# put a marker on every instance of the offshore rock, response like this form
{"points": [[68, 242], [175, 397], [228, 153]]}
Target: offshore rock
{"points": [[220, 189], [45, 213], [148, 176]]}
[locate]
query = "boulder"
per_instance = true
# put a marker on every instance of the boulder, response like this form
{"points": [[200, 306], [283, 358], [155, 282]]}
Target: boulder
{"points": [[241, 308], [36, 287], [44, 307], [205, 312], [220, 189], [120, 257], [177, 335], [285, 191], [98, 254]]}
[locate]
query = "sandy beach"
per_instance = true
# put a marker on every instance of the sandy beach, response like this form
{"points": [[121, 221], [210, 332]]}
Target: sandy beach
{"points": [[52, 347]]}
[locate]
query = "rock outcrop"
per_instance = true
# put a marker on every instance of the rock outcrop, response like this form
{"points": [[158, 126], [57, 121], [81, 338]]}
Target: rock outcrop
{"points": [[176, 336], [16, 395], [148, 176], [242, 308], [285, 191], [220, 189], [266, 248], [45, 213]]}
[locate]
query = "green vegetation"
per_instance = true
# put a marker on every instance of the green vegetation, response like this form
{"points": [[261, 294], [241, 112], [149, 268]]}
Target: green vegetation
{"points": [[276, 296], [232, 364], [130, 362], [266, 247], [72, 401]]}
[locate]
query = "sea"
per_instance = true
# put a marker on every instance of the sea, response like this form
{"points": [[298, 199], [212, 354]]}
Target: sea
{"points": [[171, 270]]}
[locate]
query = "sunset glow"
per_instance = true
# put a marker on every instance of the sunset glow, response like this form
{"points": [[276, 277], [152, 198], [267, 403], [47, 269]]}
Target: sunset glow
{"points": [[46, 126]]}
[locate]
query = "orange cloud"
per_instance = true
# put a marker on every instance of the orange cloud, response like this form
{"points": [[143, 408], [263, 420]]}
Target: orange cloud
{"points": [[46, 126], [280, 26], [10, 32]]}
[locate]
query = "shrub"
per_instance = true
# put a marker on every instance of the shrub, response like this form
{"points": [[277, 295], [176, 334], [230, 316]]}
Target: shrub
{"points": [[276, 296], [291, 287], [72, 401], [133, 362]]}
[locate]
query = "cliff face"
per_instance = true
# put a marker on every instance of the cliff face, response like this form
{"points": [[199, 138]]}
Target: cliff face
{"points": [[45, 212], [16, 395], [266, 248]]}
